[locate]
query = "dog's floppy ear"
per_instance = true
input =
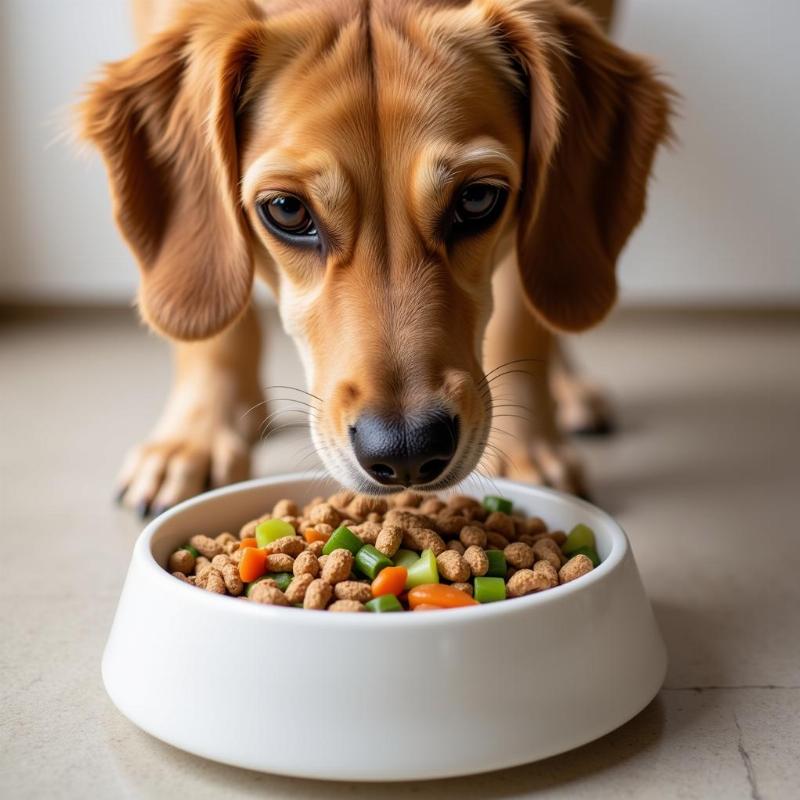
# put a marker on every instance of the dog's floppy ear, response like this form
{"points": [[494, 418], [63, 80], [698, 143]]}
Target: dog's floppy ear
{"points": [[596, 117], [165, 122]]}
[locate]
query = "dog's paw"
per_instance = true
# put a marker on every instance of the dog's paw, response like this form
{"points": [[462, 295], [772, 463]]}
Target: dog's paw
{"points": [[583, 409], [164, 471], [543, 462]]}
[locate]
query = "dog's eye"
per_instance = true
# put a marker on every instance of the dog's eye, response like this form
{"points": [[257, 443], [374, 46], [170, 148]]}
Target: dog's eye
{"points": [[287, 214], [478, 203]]}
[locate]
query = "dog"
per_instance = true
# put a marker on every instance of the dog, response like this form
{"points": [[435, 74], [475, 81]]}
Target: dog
{"points": [[426, 186]]}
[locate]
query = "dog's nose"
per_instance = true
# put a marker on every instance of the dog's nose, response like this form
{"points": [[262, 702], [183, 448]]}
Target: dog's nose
{"points": [[405, 452]]}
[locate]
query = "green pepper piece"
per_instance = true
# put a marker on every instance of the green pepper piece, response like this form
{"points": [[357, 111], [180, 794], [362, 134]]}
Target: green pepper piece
{"points": [[371, 561], [490, 590], [342, 539], [283, 579], [405, 558], [497, 564], [492, 503], [270, 530], [384, 603], [580, 536], [423, 570], [589, 552], [192, 550]]}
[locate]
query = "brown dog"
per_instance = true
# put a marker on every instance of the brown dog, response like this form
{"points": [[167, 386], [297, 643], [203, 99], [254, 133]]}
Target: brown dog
{"points": [[422, 184]]}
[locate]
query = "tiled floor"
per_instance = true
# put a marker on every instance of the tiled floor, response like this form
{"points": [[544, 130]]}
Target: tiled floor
{"points": [[703, 475]]}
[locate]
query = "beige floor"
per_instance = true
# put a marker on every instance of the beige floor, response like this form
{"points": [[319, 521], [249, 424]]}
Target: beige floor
{"points": [[703, 475]]}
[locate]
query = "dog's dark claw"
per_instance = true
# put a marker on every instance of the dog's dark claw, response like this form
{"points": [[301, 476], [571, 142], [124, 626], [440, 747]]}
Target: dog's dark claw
{"points": [[119, 494], [602, 427], [143, 509]]}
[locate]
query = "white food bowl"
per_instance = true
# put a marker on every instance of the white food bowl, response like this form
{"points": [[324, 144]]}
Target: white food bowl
{"points": [[384, 697]]}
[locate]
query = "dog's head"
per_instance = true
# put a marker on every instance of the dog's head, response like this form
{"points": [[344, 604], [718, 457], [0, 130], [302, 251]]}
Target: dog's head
{"points": [[372, 159]]}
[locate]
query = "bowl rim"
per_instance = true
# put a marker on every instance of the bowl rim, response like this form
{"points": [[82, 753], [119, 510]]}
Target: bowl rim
{"points": [[143, 555]]}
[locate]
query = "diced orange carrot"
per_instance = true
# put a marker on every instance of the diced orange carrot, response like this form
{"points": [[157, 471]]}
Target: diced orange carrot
{"points": [[389, 580], [313, 535], [428, 607], [247, 543], [253, 564], [439, 594]]}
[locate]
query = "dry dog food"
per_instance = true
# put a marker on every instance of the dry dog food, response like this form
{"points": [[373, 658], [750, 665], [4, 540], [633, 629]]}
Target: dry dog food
{"points": [[413, 552]]}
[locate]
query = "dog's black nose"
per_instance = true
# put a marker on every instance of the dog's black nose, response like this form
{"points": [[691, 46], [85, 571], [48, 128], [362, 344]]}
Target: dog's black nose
{"points": [[405, 452]]}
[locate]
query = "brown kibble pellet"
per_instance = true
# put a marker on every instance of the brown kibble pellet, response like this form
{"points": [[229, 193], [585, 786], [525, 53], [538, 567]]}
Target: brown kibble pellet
{"points": [[367, 531], [266, 592], [285, 508], [318, 593], [526, 581], [548, 570], [201, 565], [230, 547], [346, 605], [205, 545], [519, 555], [288, 545], [496, 540], [296, 590], [353, 590], [279, 562], [224, 538], [464, 587], [220, 561], [547, 550], [248, 530], [534, 525], [477, 560], [500, 522], [559, 537], [374, 516], [363, 504], [325, 513], [389, 540], [455, 544], [451, 524], [423, 539], [574, 568], [472, 535], [315, 548], [233, 583], [432, 506], [408, 498], [452, 566], [180, 576], [461, 503], [236, 555], [337, 566], [181, 561], [406, 519], [214, 581], [306, 563], [341, 499]]}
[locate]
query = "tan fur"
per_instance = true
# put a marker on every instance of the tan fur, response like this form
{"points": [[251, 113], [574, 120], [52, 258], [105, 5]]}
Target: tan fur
{"points": [[374, 113]]}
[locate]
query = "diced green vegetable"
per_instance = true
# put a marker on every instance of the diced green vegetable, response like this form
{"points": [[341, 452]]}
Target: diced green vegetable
{"points": [[497, 564], [271, 529], [589, 552], [386, 602], [371, 561], [489, 590], [192, 550], [580, 536], [405, 558], [342, 539], [283, 579], [492, 503], [423, 570]]}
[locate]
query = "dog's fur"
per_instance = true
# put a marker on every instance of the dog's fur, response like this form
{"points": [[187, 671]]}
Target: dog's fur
{"points": [[375, 112]]}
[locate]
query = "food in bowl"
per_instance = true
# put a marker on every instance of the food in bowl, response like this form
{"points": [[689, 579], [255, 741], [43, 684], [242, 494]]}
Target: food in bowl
{"points": [[414, 552]]}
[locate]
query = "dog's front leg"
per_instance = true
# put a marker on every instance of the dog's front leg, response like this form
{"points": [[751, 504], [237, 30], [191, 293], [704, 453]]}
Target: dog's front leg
{"points": [[526, 442], [205, 434]]}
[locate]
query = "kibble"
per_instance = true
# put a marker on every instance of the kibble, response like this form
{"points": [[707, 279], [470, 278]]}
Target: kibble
{"points": [[448, 543]]}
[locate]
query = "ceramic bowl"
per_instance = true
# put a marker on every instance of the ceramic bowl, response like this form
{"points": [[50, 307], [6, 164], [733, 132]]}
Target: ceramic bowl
{"points": [[385, 697]]}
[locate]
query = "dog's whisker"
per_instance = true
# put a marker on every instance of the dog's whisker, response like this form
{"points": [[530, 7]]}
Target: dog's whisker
{"points": [[294, 389]]}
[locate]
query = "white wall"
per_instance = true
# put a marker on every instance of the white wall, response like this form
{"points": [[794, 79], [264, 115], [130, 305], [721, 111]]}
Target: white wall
{"points": [[724, 210]]}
